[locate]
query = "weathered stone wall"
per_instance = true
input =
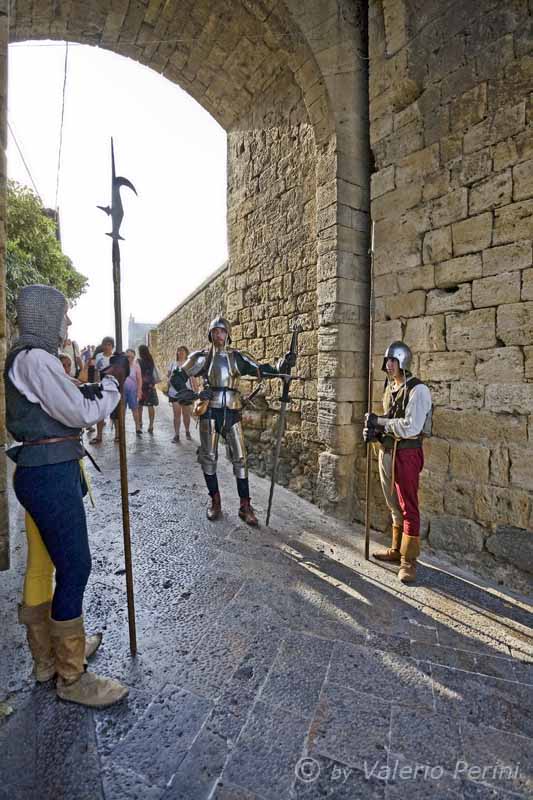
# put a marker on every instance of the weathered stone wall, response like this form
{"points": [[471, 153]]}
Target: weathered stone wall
{"points": [[188, 323], [451, 126], [272, 278], [297, 197], [4, 519]]}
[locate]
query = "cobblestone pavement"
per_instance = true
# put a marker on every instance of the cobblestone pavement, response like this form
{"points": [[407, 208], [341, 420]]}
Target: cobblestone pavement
{"points": [[273, 663]]}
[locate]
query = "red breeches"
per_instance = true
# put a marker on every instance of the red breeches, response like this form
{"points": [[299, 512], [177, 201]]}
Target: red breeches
{"points": [[407, 468]]}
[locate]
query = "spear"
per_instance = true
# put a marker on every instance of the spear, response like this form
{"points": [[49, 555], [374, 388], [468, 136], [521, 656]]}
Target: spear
{"points": [[370, 397], [116, 212]]}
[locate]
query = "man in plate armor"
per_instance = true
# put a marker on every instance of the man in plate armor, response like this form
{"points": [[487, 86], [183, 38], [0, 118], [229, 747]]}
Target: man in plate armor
{"points": [[221, 367]]}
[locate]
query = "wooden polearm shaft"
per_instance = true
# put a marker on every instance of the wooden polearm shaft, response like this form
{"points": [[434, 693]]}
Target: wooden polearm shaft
{"points": [[370, 397], [123, 458], [116, 212]]}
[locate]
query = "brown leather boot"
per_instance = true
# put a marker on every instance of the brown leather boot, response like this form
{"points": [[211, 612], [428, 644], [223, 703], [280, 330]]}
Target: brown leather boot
{"points": [[73, 683], [37, 622], [215, 509], [410, 550], [246, 512], [392, 553]]}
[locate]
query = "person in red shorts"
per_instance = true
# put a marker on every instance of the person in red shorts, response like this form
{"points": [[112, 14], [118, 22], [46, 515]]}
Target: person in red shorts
{"points": [[407, 417]]}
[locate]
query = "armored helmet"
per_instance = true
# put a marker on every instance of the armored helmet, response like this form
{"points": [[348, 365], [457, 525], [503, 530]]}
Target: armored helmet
{"points": [[219, 322], [401, 353], [41, 313]]}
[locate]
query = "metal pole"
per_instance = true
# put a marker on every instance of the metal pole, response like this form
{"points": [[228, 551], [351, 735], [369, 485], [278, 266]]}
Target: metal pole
{"points": [[370, 398]]}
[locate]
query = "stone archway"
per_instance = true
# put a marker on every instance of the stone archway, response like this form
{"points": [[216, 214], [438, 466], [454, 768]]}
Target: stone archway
{"points": [[287, 81]]}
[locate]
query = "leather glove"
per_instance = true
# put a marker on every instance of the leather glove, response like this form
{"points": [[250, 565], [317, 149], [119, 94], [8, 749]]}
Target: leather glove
{"points": [[372, 435], [91, 391], [206, 394], [371, 421], [119, 367], [186, 396]]}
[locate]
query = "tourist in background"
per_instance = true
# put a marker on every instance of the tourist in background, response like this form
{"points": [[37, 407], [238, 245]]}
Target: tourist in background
{"points": [[133, 390], [103, 355], [150, 378], [66, 362], [180, 411]]}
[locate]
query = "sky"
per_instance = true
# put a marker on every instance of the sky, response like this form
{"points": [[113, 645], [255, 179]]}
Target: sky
{"points": [[165, 144]]}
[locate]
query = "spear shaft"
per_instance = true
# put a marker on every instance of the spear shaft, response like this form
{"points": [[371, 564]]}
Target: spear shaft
{"points": [[123, 458], [116, 212], [370, 398]]}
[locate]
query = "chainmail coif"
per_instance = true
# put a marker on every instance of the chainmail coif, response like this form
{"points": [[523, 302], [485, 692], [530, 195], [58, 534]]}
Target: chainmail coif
{"points": [[40, 317]]}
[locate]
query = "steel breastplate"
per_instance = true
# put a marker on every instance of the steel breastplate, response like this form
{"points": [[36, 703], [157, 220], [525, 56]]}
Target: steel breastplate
{"points": [[223, 379]]}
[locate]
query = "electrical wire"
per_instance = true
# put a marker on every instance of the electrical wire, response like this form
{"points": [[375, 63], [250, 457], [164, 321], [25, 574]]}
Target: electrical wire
{"points": [[24, 162], [61, 126]]}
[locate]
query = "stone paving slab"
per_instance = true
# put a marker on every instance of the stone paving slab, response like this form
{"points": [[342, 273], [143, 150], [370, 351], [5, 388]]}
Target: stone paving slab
{"points": [[273, 664], [162, 736], [383, 675], [350, 726], [265, 753]]}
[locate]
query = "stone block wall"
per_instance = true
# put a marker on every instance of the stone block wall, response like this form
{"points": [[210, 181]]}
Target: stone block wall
{"points": [[272, 279], [4, 515], [451, 128], [188, 323]]}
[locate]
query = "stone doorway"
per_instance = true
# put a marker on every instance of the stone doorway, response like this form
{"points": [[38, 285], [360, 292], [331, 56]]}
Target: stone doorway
{"points": [[287, 82]]}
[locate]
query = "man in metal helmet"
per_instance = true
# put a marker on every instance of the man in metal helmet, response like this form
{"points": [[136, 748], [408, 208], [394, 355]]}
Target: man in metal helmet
{"points": [[407, 410], [221, 367], [46, 413]]}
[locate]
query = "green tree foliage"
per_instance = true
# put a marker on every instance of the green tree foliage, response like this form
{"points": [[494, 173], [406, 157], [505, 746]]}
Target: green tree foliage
{"points": [[33, 252]]}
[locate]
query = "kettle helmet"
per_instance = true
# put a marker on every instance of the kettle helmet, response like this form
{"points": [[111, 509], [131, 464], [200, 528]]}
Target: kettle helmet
{"points": [[219, 322], [401, 353]]}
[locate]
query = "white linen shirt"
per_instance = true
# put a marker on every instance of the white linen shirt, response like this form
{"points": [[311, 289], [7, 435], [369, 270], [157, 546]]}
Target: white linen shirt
{"points": [[416, 411], [40, 377]]}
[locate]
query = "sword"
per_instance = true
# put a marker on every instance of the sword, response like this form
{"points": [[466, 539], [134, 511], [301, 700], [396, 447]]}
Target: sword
{"points": [[116, 212], [286, 378]]}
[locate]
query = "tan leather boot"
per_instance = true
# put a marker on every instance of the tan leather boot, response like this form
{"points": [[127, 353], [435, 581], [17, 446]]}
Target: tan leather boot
{"points": [[410, 550], [215, 509], [37, 622], [247, 513], [392, 553], [73, 683]]}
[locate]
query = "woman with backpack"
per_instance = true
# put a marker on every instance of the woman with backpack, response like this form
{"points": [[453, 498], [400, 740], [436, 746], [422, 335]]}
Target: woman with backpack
{"points": [[150, 378]]}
